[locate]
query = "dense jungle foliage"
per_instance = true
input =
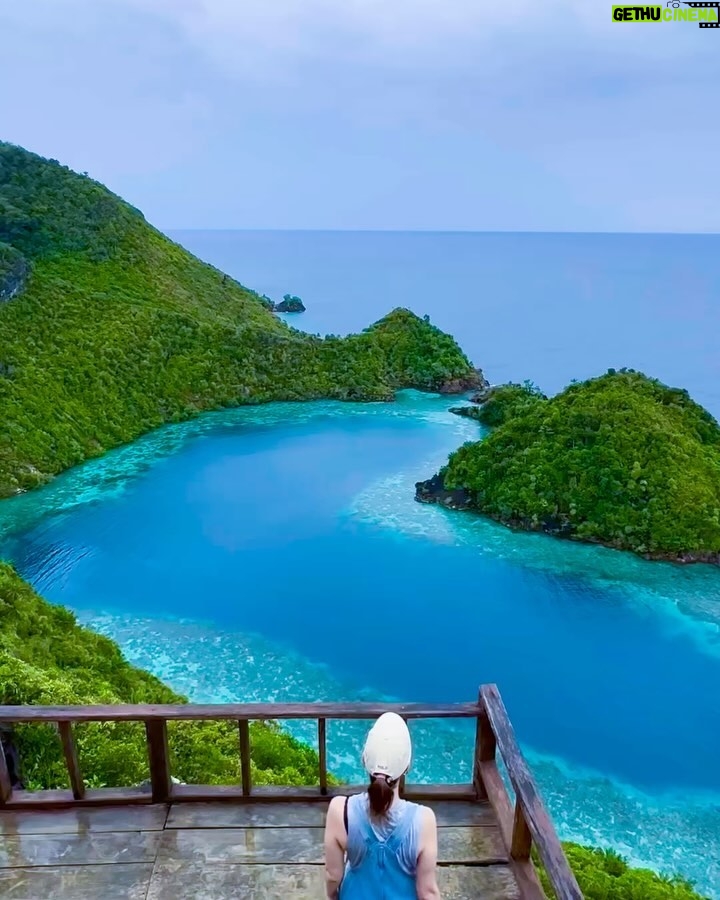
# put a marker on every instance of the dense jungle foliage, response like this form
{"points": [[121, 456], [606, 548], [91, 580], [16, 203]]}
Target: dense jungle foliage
{"points": [[621, 459], [505, 401], [604, 875], [46, 657], [117, 330]]}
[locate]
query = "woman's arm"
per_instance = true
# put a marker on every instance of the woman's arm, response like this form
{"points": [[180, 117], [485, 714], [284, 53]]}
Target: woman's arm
{"points": [[426, 875], [335, 844]]}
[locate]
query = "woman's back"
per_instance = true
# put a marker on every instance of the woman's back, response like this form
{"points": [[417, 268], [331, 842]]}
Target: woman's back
{"points": [[382, 851], [378, 846]]}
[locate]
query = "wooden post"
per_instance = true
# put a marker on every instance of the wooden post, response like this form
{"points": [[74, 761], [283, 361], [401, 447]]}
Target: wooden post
{"points": [[5, 783], [71, 759], [245, 774], [477, 778], [159, 759], [521, 838], [531, 823], [322, 754], [485, 748], [488, 741]]}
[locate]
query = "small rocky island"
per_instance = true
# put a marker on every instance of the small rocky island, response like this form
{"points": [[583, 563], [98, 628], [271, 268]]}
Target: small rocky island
{"points": [[290, 304], [620, 460]]}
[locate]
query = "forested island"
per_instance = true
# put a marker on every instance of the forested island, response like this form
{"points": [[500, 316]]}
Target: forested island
{"points": [[108, 329], [620, 460]]}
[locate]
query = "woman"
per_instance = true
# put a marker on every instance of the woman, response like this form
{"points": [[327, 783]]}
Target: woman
{"points": [[377, 846]]}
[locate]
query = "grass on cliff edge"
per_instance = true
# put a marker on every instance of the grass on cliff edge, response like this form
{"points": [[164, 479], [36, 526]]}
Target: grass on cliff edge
{"points": [[605, 875], [118, 330], [621, 460]]}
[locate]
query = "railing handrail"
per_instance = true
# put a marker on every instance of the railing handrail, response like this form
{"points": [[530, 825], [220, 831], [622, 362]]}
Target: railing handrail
{"points": [[233, 712], [531, 822]]}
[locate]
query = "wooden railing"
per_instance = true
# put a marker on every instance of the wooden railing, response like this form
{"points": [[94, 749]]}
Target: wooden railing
{"points": [[523, 826], [528, 822]]}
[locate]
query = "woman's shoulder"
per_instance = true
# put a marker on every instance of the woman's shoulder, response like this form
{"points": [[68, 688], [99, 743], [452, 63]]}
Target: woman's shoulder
{"points": [[356, 803], [420, 807], [339, 800], [425, 814], [336, 807]]}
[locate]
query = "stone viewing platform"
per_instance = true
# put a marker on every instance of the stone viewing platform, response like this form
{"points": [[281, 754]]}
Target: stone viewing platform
{"points": [[175, 842]]}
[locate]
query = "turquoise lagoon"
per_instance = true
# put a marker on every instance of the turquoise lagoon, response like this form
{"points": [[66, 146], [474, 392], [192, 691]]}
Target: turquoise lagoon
{"points": [[277, 553]]}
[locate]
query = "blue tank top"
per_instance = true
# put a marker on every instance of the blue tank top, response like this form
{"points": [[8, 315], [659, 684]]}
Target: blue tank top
{"points": [[381, 854]]}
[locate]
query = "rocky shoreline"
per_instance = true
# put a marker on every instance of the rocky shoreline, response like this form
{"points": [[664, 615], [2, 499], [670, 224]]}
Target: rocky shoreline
{"points": [[467, 412], [433, 490], [475, 381], [483, 391]]}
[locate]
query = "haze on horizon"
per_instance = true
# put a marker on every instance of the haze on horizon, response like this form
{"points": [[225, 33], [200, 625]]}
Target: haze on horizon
{"points": [[415, 114]]}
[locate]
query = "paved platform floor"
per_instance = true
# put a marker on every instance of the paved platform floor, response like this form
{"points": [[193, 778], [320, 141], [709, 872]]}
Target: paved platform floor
{"points": [[203, 851]]}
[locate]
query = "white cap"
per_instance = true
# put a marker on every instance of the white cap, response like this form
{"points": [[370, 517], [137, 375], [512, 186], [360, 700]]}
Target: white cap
{"points": [[388, 748]]}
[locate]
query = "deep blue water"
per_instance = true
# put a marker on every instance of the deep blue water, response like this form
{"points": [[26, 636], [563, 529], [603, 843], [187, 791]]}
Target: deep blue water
{"points": [[278, 553], [249, 530]]}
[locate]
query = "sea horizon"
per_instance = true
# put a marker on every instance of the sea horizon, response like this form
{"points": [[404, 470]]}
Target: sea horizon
{"points": [[176, 229], [576, 305]]}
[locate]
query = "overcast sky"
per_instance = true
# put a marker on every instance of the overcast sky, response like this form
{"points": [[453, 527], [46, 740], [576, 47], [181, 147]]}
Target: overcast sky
{"points": [[421, 114]]}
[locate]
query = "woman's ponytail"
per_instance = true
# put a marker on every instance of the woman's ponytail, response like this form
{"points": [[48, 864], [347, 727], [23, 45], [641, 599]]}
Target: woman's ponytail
{"points": [[380, 794]]}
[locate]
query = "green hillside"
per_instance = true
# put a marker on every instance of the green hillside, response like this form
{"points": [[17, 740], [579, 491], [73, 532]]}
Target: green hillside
{"points": [[605, 875], [622, 460], [108, 329]]}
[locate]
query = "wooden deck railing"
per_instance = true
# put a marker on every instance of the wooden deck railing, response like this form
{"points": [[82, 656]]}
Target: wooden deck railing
{"points": [[521, 826], [528, 822]]}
